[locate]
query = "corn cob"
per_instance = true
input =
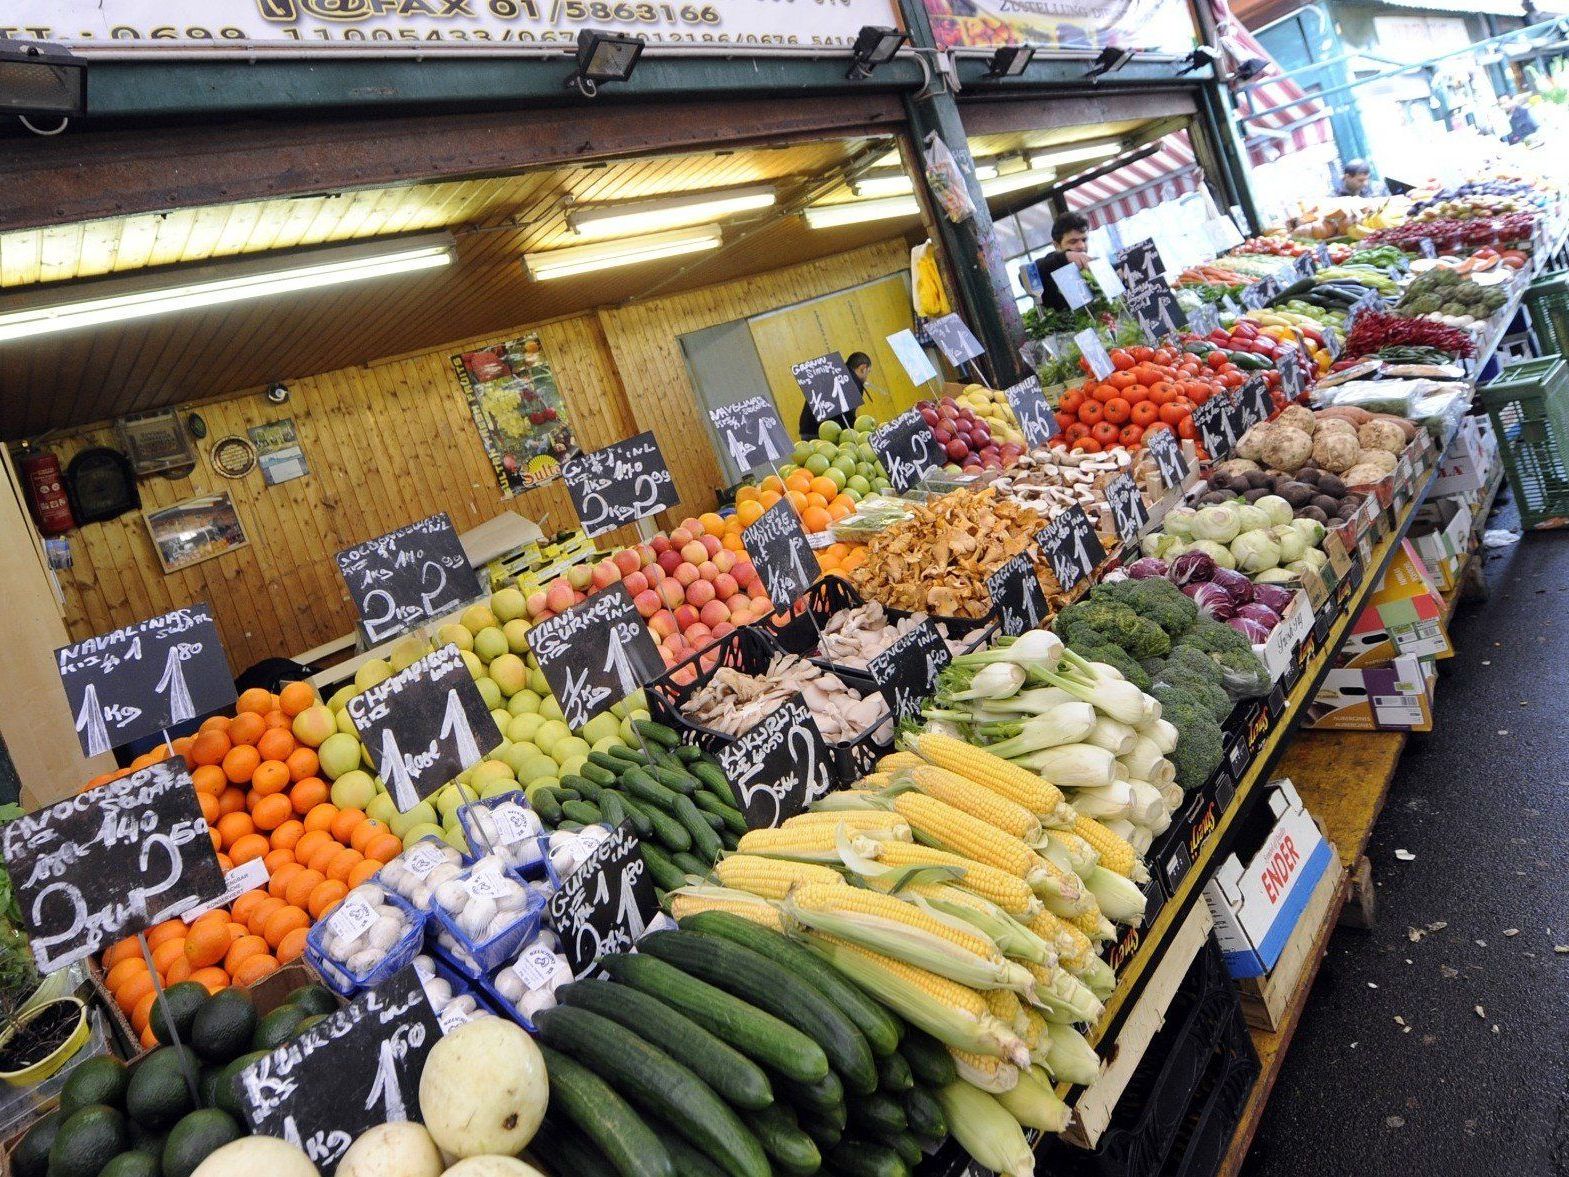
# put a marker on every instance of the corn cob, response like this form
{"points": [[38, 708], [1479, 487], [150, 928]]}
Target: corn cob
{"points": [[940, 824], [685, 901], [1008, 1009], [860, 901], [803, 843], [987, 1072], [1064, 999], [1074, 949], [894, 761], [771, 878], [1018, 785], [1094, 925], [870, 821], [1069, 851], [1012, 938], [976, 800], [854, 800], [1116, 855], [1007, 891], [1033, 1103], [986, 1130], [875, 781]]}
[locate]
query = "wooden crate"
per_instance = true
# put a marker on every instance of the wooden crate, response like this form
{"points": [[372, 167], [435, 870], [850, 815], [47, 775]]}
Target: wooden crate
{"points": [[1264, 999]]}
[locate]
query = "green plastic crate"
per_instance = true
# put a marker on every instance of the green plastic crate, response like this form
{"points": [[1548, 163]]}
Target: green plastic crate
{"points": [[1547, 302], [1529, 406]]}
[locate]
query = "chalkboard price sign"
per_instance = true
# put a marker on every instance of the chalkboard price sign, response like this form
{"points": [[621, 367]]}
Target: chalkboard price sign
{"points": [[1368, 302], [424, 725], [1128, 513], [1333, 341], [110, 862], [1148, 297], [619, 484], [1204, 318], [954, 339], [1213, 426], [752, 432], [1036, 420], [906, 672], [1071, 546], [352, 1070], [1425, 245], [782, 554], [1017, 595], [595, 654], [1256, 296], [908, 449], [1169, 460], [1139, 264], [827, 386], [399, 579], [1289, 364], [780, 766], [606, 904], [140, 680]]}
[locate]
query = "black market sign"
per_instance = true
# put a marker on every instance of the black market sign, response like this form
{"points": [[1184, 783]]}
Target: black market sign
{"points": [[782, 554], [906, 672], [145, 678], [1170, 462], [110, 862], [606, 904], [1036, 420], [407, 576], [1368, 302], [424, 726], [752, 433], [908, 449], [1129, 515], [779, 766], [1070, 546], [354, 1069], [1289, 365], [619, 484], [1211, 422], [1147, 295], [1139, 264], [595, 654], [1257, 404], [1017, 596], [954, 339], [827, 386]]}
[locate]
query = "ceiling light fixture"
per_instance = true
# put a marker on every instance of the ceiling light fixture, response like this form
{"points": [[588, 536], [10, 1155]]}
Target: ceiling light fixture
{"points": [[666, 212], [898, 182], [874, 46], [1054, 157], [117, 300], [1016, 182], [1109, 61], [583, 259], [603, 57], [855, 212], [37, 78], [1010, 61]]}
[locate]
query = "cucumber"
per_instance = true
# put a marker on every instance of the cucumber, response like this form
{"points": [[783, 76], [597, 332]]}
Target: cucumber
{"points": [[730, 840], [564, 794], [880, 1028], [862, 1158], [569, 826], [825, 1097], [604, 777], [584, 811], [637, 815], [878, 1112], [645, 788], [592, 1105], [670, 833], [582, 786], [732, 818], [656, 1082], [760, 1036], [824, 1132], [715, 822], [689, 1162], [611, 805], [629, 755], [908, 1148], [690, 864], [792, 1151], [714, 780], [723, 1068], [666, 737], [754, 978], [689, 753], [929, 1059], [705, 843], [674, 778], [573, 1151], [545, 804], [610, 763], [667, 875], [893, 1073], [924, 1114]]}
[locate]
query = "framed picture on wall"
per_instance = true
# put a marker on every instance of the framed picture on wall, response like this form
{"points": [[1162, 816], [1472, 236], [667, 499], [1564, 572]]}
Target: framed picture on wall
{"points": [[156, 442], [195, 530]]}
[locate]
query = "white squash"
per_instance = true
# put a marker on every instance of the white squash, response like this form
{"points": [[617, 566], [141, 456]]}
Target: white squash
{"points": [[257, 1156], [489, 1166], [392, 1150], [484, 1089]]}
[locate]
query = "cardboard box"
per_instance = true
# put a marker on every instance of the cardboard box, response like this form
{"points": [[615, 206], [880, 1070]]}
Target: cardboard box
{"points": [[1404, 616], [1397, 697], [1441, 535], [1265, 998], [1469, 459], [1262, 888]]}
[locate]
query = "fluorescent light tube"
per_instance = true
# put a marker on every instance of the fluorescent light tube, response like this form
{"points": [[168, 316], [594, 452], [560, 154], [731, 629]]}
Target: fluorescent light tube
{"points": [[1015, 182], [666, 212], [1073, 153], [898, 183], [584, 259], [855, 212], [117, 300]]}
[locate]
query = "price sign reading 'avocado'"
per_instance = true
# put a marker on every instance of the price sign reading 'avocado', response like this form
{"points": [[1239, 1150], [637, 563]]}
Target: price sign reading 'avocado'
{"points": [[1128, 513], [1169, 460], [954, 339], [908, 449], [619, 484], [595, 654], [906, 672], [424, 725], [354, 1069], [782, 554], [780, 766], [752, 432], [399, 579], [607, 903], [827, 386], [145, 678], [1070, 546], [110, 862], [1017, 596], [1036, 420]]}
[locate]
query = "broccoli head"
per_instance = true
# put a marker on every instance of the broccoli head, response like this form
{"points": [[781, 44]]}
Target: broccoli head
{"points": [[1192, 661], [1155, 599], [1200, 743], [1241, 671], [1185, 686], [1115, 657], [1116, 623]]}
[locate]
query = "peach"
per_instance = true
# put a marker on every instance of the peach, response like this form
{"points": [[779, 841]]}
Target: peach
{"points": [[686, 617], [635, 582], [660, 544], [647, 602], [671, 593], [714, 613], [646, 554], [663, 623], [708, 661], [737, 604], [725, 586], [627, 561], [579, 575], [686, 574], [711, 544], [706, 569], [699, 593], [537, 603], [694, 553], [693, 524], [559, 596]]}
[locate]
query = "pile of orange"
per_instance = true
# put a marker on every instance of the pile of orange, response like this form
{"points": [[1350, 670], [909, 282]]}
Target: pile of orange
{"points": [[841, 557]]}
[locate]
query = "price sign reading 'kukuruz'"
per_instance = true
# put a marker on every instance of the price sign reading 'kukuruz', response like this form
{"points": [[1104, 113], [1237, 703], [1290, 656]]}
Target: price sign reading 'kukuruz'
{"points": [[620, 484], [1257, 404], [145, 678], [399, 579], [780, 766], [606, 904], [1070, 546], [1094, 353], [1017, 596], [908, 449], [1170, 463], [827, 386], [1036, 420], [954, 339], [752, 432], [1128, 513], [782, 554], [424, 725], [906, 672], [110, 862], [595, 654], [354, 1069], [1289, 364], [1213, 428]]}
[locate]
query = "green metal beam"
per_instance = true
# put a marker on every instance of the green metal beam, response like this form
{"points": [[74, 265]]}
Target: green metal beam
{"points": [[1068, 75]]}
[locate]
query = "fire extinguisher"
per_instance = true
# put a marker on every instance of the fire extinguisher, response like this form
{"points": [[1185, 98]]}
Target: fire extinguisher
{"points": [[46, 492]]}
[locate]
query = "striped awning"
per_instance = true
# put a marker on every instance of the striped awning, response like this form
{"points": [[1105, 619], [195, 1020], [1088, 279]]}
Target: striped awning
{"points": [[1172, 171]]}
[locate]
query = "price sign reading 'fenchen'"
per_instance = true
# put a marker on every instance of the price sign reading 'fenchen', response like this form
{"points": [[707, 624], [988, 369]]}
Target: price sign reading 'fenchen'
{"points": [[619, 484], [1289, 364], [595, 654], [1169, 460], [424, 725], [752, 432], [1211, 424], [782, 554], [908, 449], [1071, 546], [606, 904], [954, 339], [399, 579], [145, 678], [1017, 596], [110, 862], [906, 672], [1128, 513], [1036, 420], [827, 386], [354, 1069], [780, 766]]}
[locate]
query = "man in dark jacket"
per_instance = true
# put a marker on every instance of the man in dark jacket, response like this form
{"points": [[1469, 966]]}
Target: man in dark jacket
{"points": [[1070, 238]]}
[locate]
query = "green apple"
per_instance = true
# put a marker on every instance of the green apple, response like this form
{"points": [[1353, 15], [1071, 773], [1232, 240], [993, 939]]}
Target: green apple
{"points": [[602, 725], [342, 695], [497, 788], [549, 708], [524, 727], [569, 748], [454, 635], [517, 636], [453, 836], [501, 717], [525, 702], [424, 829], [573, 765], [551, 733], [537, 682], [339, 754], [372, 672], [490, 692], [355, 789], [407, 651], [471, 660], [508, 604], [508, 673], [402, 823], [490, 643], [477, 617], [382, 809]]}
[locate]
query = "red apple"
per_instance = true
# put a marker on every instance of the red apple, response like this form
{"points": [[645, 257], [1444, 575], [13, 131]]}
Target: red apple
{"points": [[647, 602]]}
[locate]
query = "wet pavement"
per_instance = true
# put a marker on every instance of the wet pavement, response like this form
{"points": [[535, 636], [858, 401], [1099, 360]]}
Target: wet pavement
{"points": [[1438, 1043]]}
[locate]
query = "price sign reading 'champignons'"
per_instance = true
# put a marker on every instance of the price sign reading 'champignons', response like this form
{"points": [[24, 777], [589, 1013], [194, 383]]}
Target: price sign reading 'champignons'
{"points": [[595, 654], [619, 484], [400, 579]]}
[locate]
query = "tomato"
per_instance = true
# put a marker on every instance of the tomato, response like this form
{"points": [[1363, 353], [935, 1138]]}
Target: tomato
{"points": [[1199, 394], [1090, 412], [1105, 433], [1233, 380], [1144, 413], [1163, 392], [1122, 381], [1164, 356], [1118, 410], [1121, 360], [1173, 414], [1064, 420], [1088, 445], [1104, 393], [1077, 430], [1185, 429], [1131, 435], [1135, 395], [1071, 402], [1216, 359], [1141, 354], [1155, 427]]}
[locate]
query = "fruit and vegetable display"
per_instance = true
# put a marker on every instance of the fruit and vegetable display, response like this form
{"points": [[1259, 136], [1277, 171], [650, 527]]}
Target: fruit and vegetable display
{"points": [[1482, 261], [1051, 479], [1375, 331], [1448, 297], [1149, 389], [843, 456], [976, 429], [1453, 236], [1344, 442]]}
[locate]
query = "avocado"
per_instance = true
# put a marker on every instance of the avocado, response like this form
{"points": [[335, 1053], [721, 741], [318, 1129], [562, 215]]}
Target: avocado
{"points": [[132, 1164], [315, 999], [224, 1097], [178, 1005], [223, 1026], [87, 1141], [147, 1140], [195, 1138], [158, 1094], [98, 1080], [278, 1027], [30, 1158]]}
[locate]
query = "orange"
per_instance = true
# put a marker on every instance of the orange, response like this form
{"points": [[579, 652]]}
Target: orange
{"points": [[271, 776], [769, 498], [251, 797], [343, 825], [207, 944], [259, 915], [209, 748], [293, 946], [209, 805], [215, 723], [341, 863], [247, 728], [272, 812], [127, 949], [249, 847], [255, 969], [296, 697], [297, 891], [240, 763], [364, 832], [824, 486], [384, 848], [815, 519], [308, 794], [799, 481], [713, 523], [167, 953], [234, 826], [244, 948], [238, 932], [320, 817], [257, 699], [302, 763], [142, 1012], [181, 745], [216, 916], [323, 856], [245, 904], [276, 860], [283, 921], [275, 744], [214, 979], [363, 873], [168, 930], [217, 840], [179, 971], [153, 757], [749, 512], [149, 1040], [279, 882], [746, 494], [288, 835], [310, 843], [797, 500], [131, 966], [231, 800], [209, 778], [326, 896], [133, 990], [772, 483]]}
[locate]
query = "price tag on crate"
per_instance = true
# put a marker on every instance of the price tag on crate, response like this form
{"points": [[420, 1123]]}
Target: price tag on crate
{"points": [[908, 449], [1170, 462], [619, 484], [1070, 546], [1256, 401], [782, 554], [606, 904], [1255, 296], [1321, 255], [827, 386], [1306, 266], [595, 654], [752, 433], [1018, 597], [906, 672], [424, 726], [401, 579], [145, 678], [1128, 513], [354, 1069], [1289, 364], [779, 766], [1094, 353], [110, 862], [954, 339], [1036, 420], [1213, 428]]}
